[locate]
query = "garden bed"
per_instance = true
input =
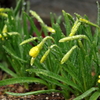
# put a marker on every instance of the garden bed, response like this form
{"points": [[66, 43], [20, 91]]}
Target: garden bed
{"points": [[17, 88]]}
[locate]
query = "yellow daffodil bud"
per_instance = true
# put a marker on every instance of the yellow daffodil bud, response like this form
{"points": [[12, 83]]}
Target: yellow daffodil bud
{"points": [[45, 56], [99, 81], [28, 40], [36, 16], [3, 15], [50, 29], [69, 38], [10, 34], [4, 9], [34, 51], [99, 76], [67, 55], [88, 22], [4, 29], [75, 27], [46, 53]]}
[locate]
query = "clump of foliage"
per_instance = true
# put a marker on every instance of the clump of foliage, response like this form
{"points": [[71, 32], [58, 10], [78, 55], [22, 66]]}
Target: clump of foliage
{"points": [[67, 59]]}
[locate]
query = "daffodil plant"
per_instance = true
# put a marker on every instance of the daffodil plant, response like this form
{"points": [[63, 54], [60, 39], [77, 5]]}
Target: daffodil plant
{"points": [[67, 59]]}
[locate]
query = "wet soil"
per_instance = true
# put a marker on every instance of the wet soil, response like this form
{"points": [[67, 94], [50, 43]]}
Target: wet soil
{"points": [[17, 88]]}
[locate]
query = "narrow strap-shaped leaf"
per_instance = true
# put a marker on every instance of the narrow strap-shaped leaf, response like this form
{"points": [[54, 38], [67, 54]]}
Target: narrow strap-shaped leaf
{"points": [[73, 75], [95, 96], [35, 92], [53, 81], [7, 70], [13, 55], [33, 26], [21, 80], [87, 93], [55, 76], [18, 6]]}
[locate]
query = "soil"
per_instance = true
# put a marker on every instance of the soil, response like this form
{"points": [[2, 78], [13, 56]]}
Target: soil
{"points": [[17, 88]]}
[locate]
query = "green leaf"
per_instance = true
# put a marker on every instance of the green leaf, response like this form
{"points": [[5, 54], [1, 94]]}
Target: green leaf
{"points": [[55, 76], [87, 93], [18, 6], [21, 80], [28, 40], [33, 26], [95, 96], [35, 92], [25, 25], [13, 55], [7, 70]]}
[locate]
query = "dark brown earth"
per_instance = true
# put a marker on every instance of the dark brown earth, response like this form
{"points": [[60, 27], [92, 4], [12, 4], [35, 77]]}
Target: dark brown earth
{"points": [[33, 87]]}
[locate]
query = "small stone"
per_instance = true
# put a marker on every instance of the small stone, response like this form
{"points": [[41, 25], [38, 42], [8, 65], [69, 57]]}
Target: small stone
{"points": [[47, 98], [20, 89], [57, 94]]}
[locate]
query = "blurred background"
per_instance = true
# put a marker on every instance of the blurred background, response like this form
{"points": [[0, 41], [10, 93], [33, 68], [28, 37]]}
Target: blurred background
{"points": [[44, 7]]}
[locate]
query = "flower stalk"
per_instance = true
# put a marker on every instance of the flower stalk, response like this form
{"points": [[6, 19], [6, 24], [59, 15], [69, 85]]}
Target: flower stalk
{"points": [[36, 50]]}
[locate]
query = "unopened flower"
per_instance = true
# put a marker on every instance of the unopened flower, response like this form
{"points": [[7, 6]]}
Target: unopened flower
{"points": [[47, 53], [67, 55], [8, 34], [3, 15], [98, 80], [36, 16], [4, 29], [49, 29], [35, 50], [28, 40], [75, 27], [4, 9], [45, 56], [88, 22], [69, 38]]}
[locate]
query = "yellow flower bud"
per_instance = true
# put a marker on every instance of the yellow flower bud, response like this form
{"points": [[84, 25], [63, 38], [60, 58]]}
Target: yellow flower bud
{"points": [[99, 76], [45, 56], [4, 9], [73, 38], [99, 81], [47, 53], [34, 51], [75, 27], [28, 40], [88, 22], [4, 29], [67, 55], [3, 14], [41, 21], [36, 16], [50, 29]]}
